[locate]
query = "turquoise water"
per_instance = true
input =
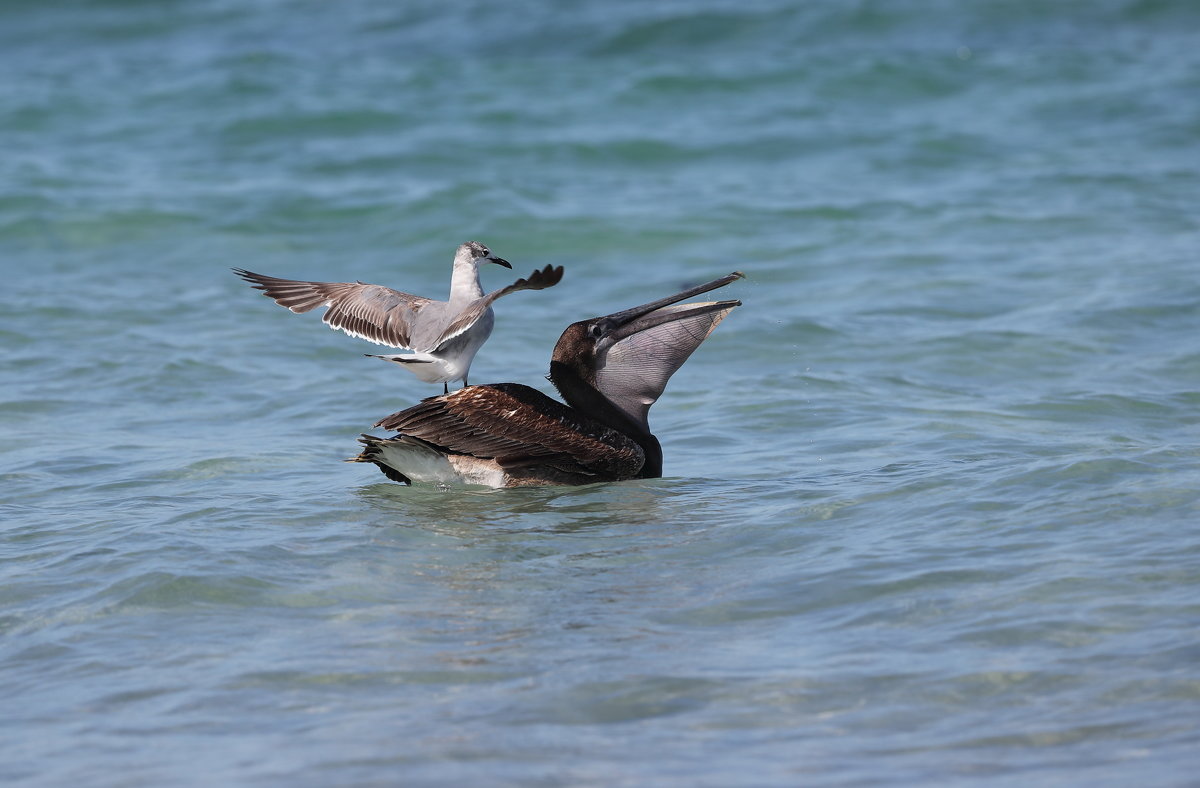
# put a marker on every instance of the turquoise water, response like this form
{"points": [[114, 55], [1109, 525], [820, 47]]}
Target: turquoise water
{"points": [[930, 504]]}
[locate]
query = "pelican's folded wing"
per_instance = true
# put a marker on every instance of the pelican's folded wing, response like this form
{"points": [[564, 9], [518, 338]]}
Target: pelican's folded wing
{"points": [[372, 312], [538, 280], [517, 425]]}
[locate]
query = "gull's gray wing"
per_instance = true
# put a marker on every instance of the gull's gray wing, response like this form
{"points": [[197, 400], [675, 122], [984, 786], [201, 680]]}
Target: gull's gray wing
{"points": [[538, 280], [372, 312]]}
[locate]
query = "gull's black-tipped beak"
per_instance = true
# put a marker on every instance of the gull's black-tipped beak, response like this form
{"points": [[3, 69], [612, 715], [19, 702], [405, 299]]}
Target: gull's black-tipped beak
{"points": [[500, 261]]}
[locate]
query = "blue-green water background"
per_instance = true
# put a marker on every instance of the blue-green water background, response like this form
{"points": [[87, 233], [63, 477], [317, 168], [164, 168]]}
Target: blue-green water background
{"points": [[931, 496]]}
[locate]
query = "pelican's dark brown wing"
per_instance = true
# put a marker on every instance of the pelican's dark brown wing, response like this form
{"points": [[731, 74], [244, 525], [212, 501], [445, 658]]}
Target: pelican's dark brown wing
{"points": [[372, 312], [519, 426]]}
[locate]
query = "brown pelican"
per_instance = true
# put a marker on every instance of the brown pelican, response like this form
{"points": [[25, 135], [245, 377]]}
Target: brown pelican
{"points": [[609, 370], [443, 335]]}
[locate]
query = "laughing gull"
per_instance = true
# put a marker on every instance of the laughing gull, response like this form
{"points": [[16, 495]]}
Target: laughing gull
{"points": [[609, 370], [442, 335]]}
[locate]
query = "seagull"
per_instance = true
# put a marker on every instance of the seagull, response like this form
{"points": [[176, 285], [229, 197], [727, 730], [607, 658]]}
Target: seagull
{"points": [[444, 336], [609, 370]]}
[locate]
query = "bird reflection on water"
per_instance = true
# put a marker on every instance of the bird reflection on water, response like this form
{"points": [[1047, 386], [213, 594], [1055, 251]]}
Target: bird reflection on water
{"points": [[463, 512]]}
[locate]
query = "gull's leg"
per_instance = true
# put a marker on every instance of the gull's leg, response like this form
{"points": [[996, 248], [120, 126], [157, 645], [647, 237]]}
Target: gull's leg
{"points": [[445, 387]]}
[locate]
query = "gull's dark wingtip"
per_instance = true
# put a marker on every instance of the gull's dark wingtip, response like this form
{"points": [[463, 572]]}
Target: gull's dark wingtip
{"points": [[252, 279], [541, 278]]}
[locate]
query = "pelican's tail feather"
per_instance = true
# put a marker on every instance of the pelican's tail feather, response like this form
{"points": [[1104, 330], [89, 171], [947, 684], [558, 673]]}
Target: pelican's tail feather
{"points": [[373, 453]]}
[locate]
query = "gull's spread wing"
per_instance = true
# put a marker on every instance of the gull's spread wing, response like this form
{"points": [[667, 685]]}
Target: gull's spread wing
{"points": [[372, 312]]}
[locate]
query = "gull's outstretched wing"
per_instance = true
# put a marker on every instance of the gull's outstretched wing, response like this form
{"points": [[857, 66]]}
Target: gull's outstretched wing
{"points": [[372, 312], [538, 280]]}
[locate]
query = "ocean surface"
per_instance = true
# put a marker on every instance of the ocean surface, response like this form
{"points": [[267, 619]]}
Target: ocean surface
{"points": [[931, 504]]}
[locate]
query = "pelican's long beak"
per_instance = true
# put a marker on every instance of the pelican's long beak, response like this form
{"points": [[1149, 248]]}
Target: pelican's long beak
{"points": [[641, 318], [626, 316]]}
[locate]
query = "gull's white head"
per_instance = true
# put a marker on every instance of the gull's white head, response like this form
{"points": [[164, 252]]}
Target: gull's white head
{"points": [[476, 254]]}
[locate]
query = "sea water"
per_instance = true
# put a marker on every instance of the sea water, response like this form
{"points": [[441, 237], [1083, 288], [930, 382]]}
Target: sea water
{"points": [[930, 498]]}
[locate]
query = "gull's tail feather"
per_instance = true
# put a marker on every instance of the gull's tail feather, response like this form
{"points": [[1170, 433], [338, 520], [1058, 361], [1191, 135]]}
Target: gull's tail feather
{"points": [[405, 358]]}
